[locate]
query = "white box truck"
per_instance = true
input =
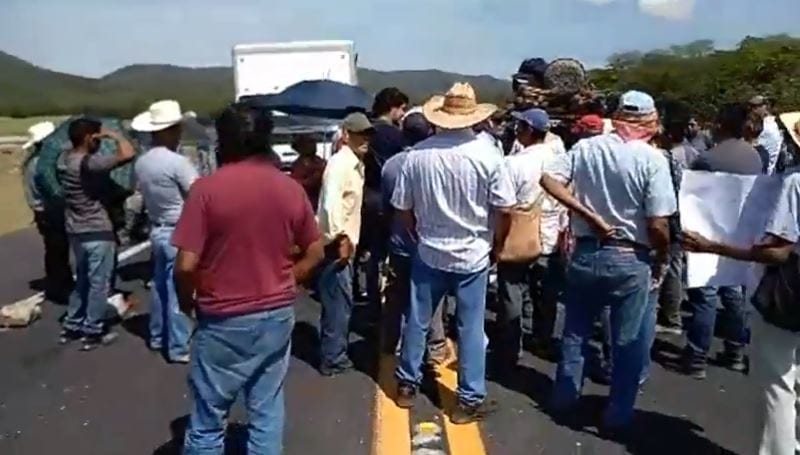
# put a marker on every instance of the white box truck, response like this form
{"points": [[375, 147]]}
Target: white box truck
{"points": [[269, 68]]}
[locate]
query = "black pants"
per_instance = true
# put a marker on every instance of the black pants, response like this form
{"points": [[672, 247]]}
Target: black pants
{"points": [[58, 279]]}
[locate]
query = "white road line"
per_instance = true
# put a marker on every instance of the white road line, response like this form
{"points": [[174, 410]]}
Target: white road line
{"points": [[121, 257]]}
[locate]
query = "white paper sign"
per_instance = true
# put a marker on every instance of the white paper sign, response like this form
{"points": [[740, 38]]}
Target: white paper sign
{"points": [[729, 208]]}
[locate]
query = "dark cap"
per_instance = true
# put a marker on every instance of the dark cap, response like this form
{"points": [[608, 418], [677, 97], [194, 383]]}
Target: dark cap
{"points": [[357, 122], [532, 67]]}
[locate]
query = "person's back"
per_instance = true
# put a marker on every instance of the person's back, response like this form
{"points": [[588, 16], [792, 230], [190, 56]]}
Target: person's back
{"points": [[164, 179], [251, 212], [83, 179], [734, 156], [246, 234], [613, 178], [457, 170]]}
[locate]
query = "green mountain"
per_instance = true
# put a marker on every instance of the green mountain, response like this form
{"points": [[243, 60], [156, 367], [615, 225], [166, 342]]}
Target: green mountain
{"points": [[26, 89]]}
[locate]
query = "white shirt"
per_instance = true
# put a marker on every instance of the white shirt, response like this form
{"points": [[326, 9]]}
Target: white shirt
{"points": [[341, 196], [525, 169], [452, 181]]}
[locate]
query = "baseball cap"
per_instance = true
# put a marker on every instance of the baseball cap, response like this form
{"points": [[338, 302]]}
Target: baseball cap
{"points": [[357, 122], [535, 118], [416, 128], [635, 102], [591, 123]]}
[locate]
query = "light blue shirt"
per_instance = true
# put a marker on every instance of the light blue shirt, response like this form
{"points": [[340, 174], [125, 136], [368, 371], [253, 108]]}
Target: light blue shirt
{"points": [[400, 242], [624, 182], [164, 178], [452, 181], [785, 219]]}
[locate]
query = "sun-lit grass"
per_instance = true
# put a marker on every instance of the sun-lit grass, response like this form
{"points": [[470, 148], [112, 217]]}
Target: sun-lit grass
{"points": [[19, 126]]}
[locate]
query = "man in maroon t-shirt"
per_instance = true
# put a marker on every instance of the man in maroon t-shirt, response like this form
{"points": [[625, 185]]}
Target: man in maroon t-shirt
{"points": [[246, 237]]}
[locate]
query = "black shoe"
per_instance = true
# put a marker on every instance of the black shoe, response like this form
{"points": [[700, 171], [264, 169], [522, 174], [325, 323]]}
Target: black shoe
{"points": [[734, 361], [464, 413], [92, 342], [336, 370], [693, 367], [68, 336], [406, 395]]}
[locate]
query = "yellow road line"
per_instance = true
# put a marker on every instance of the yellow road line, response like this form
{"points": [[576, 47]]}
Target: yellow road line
{"points": [[462, 439], [391, 428]]}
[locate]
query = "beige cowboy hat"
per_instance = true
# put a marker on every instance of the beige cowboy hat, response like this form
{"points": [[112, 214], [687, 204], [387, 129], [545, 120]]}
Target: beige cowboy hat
{"points": [[457, 109], [38, 132], [160, 116], [791, 120]]}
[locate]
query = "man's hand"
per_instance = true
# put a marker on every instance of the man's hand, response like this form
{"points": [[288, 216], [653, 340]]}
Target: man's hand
{"points": [[696, 243], [106, 133], [602, 229], [345, 248], [658, 272]]}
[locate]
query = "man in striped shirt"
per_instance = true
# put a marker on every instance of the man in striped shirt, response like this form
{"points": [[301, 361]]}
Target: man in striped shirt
{"points": [[447, 192]]}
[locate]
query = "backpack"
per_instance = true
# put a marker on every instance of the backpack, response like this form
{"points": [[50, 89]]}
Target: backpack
{"points": [[777, 296]]}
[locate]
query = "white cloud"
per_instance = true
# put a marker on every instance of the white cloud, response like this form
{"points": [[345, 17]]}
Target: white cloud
{"points": [[668, 9]]}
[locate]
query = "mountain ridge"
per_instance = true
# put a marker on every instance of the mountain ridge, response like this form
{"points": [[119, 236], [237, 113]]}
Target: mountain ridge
{"points": [[27, 89]]}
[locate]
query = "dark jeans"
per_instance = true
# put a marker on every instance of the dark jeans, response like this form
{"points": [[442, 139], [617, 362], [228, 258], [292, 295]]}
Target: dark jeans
{"points": [[336, 296], [735, 325], [600, 276], [398, 296], [670, 295], [248, 354], [58, 274]]}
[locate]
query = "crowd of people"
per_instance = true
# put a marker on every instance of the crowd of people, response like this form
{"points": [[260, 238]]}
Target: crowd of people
{"points": [[584, 234]]}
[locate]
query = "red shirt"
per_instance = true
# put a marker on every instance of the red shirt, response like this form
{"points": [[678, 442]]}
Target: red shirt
{"points": [[242, 222]]}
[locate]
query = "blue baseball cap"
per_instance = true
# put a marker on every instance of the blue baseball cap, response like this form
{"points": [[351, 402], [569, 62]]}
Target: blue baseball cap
{"points": [[535, 118], [635, 102]]}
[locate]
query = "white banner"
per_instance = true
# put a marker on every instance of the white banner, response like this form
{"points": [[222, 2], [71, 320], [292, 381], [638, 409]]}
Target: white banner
{"points": [[728, 208]]}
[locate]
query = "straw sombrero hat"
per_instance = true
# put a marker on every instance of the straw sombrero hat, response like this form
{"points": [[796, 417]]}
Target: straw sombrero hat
{"points": [[457, 109], [791, 120]]}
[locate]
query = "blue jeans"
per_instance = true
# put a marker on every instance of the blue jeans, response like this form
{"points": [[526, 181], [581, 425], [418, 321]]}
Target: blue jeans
{"points": [[335, 287], [700, 332], [428, 288], [167, 321], [248, 353], [94, 266], [600, 276]]}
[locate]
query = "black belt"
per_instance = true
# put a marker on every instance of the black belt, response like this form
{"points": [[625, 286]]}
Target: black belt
{"points": [[163, 225], [615, 243]]}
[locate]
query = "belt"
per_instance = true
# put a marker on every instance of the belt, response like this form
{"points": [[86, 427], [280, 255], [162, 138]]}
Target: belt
{"points": [[614, 243], [163, 225]]}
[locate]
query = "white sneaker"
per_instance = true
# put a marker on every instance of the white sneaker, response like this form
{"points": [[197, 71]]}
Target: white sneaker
{"points": [[120, 304]]}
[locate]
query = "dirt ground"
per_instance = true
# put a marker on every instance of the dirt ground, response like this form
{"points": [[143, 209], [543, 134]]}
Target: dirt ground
{"points": [[19, 126], [14, 212]]}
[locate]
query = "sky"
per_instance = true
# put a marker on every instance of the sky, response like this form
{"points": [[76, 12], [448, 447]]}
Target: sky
{"points": [[95, 37]]}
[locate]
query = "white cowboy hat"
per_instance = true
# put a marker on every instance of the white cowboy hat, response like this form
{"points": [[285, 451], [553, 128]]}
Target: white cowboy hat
{"points": [[160, 116], [457, 109], [791, 120], [38, 132]]}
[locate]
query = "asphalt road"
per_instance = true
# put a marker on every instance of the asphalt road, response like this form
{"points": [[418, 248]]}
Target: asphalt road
{"points": [[125, 400]]}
